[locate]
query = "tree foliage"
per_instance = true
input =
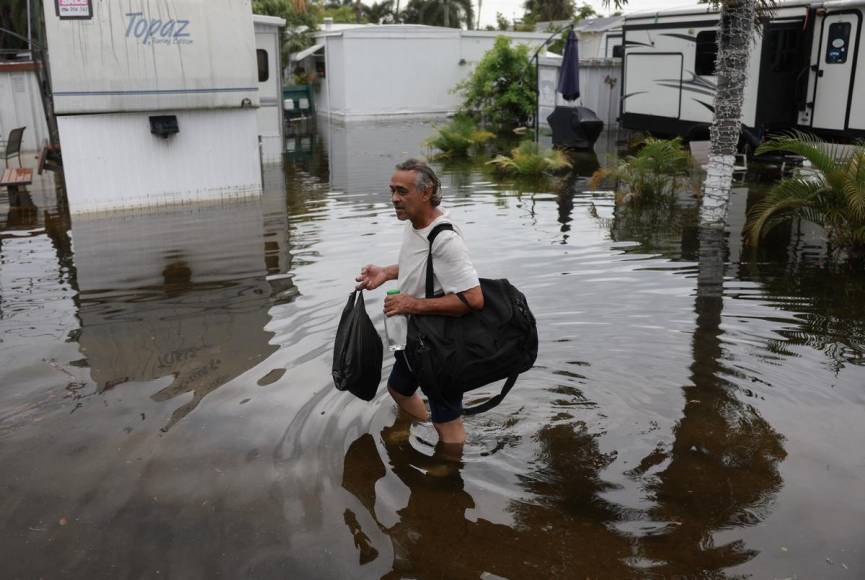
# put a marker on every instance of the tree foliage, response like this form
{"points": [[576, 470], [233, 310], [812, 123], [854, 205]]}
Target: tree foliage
{"points": [[500, 91], [652, 173], [530, 159], [458, 138], [379, 12], [546, 10], [301, 22], [448, 13], [13, 16]]}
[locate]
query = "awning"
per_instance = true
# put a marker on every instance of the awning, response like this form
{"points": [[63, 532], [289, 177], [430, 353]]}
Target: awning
{"points": [[299, 56]]}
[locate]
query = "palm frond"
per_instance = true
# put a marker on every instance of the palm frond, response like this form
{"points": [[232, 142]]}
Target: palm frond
{"points": [[784, 201], [823, 156], [854, 184], [530, 159]]}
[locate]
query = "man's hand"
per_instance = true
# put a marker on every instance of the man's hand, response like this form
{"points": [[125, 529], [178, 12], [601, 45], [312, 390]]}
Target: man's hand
{"points": [[372, 276], [400, 304]]}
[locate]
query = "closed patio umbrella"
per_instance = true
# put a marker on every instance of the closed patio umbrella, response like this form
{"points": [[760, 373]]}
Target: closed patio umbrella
{"points": [[569, 73]]}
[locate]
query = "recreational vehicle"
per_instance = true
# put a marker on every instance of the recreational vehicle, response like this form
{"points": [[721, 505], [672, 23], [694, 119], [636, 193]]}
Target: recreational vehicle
{"points": [[802, 72], [156, 103]]}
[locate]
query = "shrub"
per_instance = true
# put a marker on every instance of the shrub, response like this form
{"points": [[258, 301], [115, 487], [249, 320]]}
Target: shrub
{"points": [[457, 138], [501, 89], [652, 173], [833, 196], [530, 159]]}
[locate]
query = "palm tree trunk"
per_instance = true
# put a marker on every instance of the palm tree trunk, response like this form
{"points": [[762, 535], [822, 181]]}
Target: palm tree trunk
{"points": [[480, 3], [446, 7], [734, 48]]}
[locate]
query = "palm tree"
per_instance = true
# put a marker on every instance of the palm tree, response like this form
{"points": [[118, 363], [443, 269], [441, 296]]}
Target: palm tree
{"points": [[447, 13], [833, 196], [739, 20], [379, 12]]}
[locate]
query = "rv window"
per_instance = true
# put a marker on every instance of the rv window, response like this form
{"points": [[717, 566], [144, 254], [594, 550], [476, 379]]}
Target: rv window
{"points": [[837, 43], [782, 49], [618, 51], [707, 52], [263, 68]]}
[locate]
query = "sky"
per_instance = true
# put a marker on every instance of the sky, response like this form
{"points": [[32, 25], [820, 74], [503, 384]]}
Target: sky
{"points": [[512, 8]]}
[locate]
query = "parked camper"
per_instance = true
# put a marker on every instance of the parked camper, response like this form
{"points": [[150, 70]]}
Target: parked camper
{"points": [[802, 72], [351, 61], [267, 57]]}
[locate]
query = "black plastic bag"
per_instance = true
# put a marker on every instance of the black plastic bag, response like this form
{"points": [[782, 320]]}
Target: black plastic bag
{"points": [[357, 351]]}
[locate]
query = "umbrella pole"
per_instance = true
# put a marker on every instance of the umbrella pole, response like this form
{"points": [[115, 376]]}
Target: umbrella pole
{"points": [[537, 62], [537, 98]]}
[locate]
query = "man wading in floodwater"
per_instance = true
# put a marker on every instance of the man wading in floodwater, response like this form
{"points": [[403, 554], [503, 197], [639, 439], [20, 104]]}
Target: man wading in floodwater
{"points": [[416, 195]]}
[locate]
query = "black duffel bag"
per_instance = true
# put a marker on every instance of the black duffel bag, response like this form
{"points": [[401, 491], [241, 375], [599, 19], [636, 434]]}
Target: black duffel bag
{"points": [[357, 351], [458, 354]]}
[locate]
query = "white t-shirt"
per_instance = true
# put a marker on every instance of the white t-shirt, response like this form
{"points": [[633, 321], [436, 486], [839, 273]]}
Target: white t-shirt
{"points": [[452, 267]]}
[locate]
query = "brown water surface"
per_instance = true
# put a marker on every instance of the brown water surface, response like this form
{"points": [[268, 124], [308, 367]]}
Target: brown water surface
{"points": [[166, 406]]}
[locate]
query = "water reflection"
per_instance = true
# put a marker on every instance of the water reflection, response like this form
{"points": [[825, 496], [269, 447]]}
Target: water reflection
{"points": [[666, 229], [721, 470], [598, 464], [182, 293], [560, 529], [828, 308], [362, 155]]}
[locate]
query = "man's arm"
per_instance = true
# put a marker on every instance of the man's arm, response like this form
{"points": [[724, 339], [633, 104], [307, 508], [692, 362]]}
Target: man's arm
{"points": [[448, 305], [372, 276]]}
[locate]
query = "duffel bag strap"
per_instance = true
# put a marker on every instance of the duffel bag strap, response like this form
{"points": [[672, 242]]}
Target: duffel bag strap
{"points": [[430, 287], [489, 404]]}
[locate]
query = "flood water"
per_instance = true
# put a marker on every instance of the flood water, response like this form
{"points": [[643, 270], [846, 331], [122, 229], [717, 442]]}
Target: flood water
{"points": [[167, 410]]}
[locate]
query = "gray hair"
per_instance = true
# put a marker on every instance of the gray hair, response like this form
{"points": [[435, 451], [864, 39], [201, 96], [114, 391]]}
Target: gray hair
{"points": [[425, 179]]}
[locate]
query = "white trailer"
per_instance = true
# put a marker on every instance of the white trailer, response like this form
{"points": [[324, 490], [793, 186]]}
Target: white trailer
{"points": [[155, 101], [803, 72], [267, 55], [373, 71]]}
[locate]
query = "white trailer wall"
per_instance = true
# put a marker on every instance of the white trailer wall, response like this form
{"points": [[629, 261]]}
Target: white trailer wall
{"points": [[135, 55], [401, 69], [112, 161], [132, 59], [21, 104], [267, 48]]}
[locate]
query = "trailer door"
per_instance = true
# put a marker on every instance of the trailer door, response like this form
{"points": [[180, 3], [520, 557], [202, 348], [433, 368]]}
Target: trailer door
{"points": [[836, 62]]}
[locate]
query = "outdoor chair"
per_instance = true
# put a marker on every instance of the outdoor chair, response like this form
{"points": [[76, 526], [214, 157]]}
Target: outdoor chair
{"points": [[13, 146]]}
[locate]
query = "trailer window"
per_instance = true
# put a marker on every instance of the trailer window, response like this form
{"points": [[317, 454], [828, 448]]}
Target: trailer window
{"points": [[618, 51], [263, 68], [707, 52], [837, 43]]}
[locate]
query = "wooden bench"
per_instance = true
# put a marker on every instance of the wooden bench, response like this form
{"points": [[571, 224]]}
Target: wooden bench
{"points": [[16, 177]]}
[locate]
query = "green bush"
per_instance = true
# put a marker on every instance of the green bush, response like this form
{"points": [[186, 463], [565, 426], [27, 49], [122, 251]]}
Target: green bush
{"points": [[501, 90], [833, 196], [652, 173], [457, 138], [530, 159]]}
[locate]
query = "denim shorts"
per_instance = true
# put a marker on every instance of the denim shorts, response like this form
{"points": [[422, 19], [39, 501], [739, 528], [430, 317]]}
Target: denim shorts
{"points": [[402, 381]]}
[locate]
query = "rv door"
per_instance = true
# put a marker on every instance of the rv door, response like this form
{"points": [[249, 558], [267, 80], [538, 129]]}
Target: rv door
{"points": [[839, 39]]}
